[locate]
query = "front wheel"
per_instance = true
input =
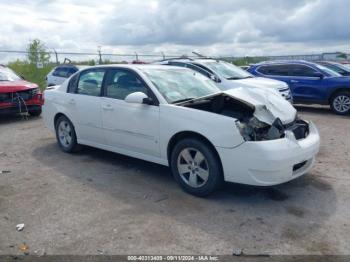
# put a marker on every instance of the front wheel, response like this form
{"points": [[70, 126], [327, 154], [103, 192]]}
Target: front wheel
{"points": [[66, 136], [340, 103], [196, 167]]}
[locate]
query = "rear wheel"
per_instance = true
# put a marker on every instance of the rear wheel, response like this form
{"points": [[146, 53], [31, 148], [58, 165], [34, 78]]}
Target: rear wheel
{"points": [[66, 136], [340, 103], [196, 167]]}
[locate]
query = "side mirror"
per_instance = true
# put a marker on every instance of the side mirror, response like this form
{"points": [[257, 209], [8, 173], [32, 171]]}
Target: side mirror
{"points": [[138, 98], [319, 75]]}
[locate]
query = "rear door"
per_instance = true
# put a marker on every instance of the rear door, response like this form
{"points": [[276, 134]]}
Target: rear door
{"points": [[84, 104]]}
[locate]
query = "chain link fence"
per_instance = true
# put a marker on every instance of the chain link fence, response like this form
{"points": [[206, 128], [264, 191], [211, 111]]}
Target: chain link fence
{"points": [[17, 60]]}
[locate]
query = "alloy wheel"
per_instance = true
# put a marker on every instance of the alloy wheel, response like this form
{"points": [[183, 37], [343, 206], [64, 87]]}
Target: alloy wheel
{"points": [[65, 133], [193, 167], [341, 103]]}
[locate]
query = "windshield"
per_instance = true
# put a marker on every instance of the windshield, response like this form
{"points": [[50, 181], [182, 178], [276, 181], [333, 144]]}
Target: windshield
{"points": [[7, 74], [227, 70], [180, 84], [339, 68], [327, 70]]}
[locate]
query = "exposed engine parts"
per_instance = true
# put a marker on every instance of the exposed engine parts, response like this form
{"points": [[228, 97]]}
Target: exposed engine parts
{"points": [[250, 127], [255, 130]]}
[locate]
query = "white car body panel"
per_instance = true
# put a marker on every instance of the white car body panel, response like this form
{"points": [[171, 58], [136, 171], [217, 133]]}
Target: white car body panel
{"points": [[144, 131], [133, 127]]}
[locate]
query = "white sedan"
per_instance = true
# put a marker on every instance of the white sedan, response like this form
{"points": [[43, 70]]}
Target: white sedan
{"points": [[178, 118]]}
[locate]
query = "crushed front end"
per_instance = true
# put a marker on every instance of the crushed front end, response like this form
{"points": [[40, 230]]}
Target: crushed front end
{"points": [[22, 101]]}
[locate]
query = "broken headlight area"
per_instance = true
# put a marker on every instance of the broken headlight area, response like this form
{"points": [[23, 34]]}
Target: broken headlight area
{"points": [[253, 129], [299, 128]]}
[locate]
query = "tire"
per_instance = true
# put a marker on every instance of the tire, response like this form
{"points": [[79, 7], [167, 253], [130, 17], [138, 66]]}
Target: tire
{"points": [[66, 136], [189, 172], [340, 103], [36, 112]]}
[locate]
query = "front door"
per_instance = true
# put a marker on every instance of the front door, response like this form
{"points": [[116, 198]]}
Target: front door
{"points": [[304, 83], [131, 127]]}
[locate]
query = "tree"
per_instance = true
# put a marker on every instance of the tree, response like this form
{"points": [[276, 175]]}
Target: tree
{"points": [[37, 52], [342, 55]]}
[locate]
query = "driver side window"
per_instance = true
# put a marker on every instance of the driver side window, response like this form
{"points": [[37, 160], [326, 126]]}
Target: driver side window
{"points": [[120, 83]]}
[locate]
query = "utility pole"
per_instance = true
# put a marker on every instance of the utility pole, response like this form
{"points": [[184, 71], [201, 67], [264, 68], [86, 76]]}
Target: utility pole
{"points": [[99, 54], [57, 62]]}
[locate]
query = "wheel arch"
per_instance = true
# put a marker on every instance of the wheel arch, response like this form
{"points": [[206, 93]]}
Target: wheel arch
{"points": [[190, 134], [57, 116], [337, 90]]}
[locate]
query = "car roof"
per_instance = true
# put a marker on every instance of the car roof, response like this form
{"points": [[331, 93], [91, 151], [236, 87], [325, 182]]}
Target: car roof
{"points": [[71, 65], [276, 62], [329, 62], [139, 66], [190, 60]]}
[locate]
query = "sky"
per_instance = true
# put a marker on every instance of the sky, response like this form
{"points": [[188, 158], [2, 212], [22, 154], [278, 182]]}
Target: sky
{"points": [[212, 27]]}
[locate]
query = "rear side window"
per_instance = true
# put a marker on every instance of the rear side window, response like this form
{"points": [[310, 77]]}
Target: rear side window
{"points": [[200, 70], [194, 67], [275, 70], [61, 72], [71, 71], [90, 82]]}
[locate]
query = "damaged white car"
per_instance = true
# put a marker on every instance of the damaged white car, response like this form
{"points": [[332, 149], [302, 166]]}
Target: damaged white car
{"points": [[178, 118]]}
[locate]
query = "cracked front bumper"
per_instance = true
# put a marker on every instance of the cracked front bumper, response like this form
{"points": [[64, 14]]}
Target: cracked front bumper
{"points": [[266, 163]]}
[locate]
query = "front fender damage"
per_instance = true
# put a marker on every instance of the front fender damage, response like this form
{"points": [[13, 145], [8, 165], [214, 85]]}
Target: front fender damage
{"points": [[259, 114]]}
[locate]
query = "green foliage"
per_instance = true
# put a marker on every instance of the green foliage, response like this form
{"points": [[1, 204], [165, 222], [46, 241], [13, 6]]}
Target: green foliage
{"points": [[247, 60], [37, 52], [28, 69], [342, 55], [30, 72]]}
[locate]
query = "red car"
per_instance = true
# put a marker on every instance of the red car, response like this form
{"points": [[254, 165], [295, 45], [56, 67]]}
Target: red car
{"points": [[18, 95]]}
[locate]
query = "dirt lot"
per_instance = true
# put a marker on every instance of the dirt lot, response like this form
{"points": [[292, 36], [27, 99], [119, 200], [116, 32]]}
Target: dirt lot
{"points": [[98, 202]]}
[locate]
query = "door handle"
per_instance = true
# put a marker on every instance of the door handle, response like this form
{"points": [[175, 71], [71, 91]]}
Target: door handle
{"points": [[107, 107], [294, 81], [71, 102]]}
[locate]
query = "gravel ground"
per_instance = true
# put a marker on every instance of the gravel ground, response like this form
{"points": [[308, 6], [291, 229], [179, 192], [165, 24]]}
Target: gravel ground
{"points": [[98, 202]]}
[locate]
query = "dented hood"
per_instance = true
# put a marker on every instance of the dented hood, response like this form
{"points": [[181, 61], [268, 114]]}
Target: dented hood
{"points": [[268, 104]]}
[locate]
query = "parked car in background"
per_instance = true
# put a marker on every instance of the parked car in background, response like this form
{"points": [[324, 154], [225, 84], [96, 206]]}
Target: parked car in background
{"points": [[310, 83], [337, 67], [18, 95], [245, 67], [60, 73], [176, 117], [227, 76]]}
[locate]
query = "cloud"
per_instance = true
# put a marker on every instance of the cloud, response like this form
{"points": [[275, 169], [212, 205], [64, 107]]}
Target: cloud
{"points": [[216, 27]]}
